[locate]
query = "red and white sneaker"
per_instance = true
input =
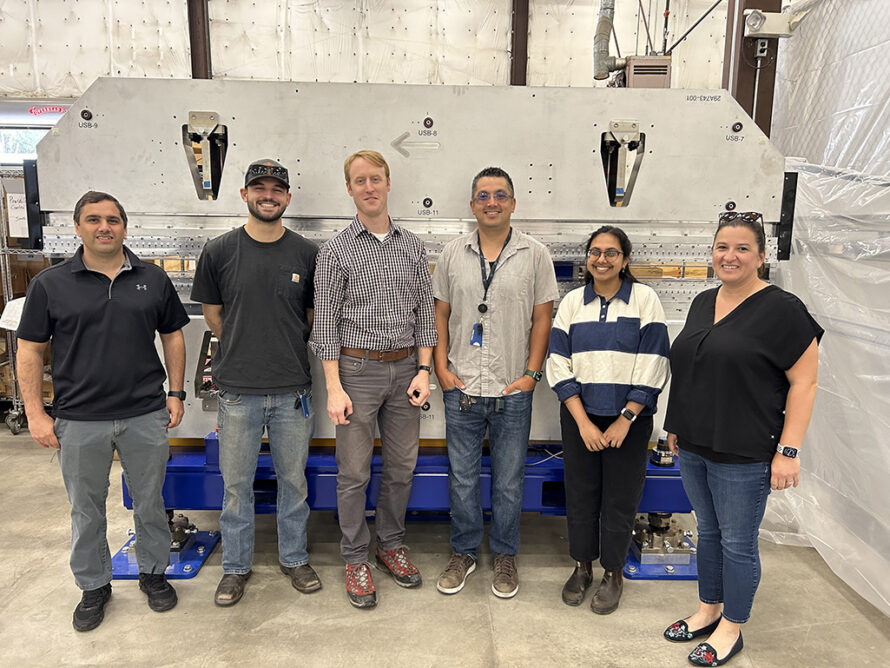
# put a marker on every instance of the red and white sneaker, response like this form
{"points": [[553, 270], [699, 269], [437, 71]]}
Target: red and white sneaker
{"points": [[359, 587], [397, 564]]}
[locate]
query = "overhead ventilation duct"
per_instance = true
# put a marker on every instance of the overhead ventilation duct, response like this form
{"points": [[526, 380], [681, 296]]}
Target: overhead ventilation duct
{"points": [[603, 63]]}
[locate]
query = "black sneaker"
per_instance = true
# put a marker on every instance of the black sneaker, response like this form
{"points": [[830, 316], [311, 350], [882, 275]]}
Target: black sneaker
{"points": [[90, 612], [161, 596]]}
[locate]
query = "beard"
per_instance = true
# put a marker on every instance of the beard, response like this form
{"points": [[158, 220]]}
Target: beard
{"points": [[263, 217]]}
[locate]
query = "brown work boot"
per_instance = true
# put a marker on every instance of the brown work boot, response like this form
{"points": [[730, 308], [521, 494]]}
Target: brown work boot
{"points": [[303, 578], [505, 582], [231, 588], [576, 586], [607, 595]]}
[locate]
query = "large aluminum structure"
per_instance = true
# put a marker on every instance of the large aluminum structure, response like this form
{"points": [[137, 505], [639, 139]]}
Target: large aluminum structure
{"points": [[660, 163]]}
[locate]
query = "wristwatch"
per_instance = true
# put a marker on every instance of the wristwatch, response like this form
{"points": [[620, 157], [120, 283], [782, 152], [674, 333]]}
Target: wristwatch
{"points": [[424, 367], [178, 394], [788, 451], [629, 414], [537, 375]]}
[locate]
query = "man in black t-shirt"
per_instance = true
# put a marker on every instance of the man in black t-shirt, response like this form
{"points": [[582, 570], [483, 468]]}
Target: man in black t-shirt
{"points": [[256, 287], [101, 310]]}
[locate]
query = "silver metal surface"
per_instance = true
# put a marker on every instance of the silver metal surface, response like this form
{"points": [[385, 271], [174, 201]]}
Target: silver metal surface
{"points": [[145, 142]]}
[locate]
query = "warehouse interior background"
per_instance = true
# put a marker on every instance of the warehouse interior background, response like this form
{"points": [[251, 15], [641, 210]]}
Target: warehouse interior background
{"points": [[829, 116]]}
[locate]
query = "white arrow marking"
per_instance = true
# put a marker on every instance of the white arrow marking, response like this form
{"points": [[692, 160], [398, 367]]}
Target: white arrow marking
{"points": [[400, 144]]}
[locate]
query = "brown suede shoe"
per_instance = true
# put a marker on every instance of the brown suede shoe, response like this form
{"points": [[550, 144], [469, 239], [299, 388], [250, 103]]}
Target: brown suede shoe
{"points": [[576, 586], [607, 595]]}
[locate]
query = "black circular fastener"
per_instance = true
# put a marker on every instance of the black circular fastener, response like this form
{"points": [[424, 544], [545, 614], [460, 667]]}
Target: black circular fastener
{"points": [[86, 114], [427, 122], [427, 202], [730, 206], [483, 307], [737, 127], [426, 406]]}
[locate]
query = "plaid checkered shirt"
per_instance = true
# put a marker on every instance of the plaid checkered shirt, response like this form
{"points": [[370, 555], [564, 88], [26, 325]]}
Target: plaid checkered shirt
{"points": [[371, 294]]}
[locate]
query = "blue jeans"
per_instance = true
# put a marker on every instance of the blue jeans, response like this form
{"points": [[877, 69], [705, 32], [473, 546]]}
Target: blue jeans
{"points": [[85, 459], [508, 445], [729, 500], [242, 419]]}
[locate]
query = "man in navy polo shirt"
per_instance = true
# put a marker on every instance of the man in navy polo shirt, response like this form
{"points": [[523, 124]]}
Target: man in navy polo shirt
{"points": [[101, 310]]}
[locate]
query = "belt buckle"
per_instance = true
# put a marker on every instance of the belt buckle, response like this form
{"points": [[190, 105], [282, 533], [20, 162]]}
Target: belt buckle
{"points": [[379, 354]]}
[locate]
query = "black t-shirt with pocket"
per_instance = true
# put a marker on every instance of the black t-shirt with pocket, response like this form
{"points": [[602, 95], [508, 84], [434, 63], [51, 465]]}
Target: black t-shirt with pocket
{"points": [[265, 290], [728, 383]]}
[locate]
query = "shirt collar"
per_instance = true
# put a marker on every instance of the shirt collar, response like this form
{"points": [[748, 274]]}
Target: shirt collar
{"points": [[356, 227], [130, 261], [517, 241], [623, 292]]}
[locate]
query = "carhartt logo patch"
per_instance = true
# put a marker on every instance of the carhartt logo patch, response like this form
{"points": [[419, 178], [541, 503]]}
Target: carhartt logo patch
{"points": [[141, 286], [295, 278]]}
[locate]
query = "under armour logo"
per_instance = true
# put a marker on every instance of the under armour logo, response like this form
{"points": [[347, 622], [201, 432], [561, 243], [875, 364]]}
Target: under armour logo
{"points": [[141, 286]]}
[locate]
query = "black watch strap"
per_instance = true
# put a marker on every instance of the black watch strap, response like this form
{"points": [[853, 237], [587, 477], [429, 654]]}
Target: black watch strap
{"points": [[177, 394], [424, 367]]}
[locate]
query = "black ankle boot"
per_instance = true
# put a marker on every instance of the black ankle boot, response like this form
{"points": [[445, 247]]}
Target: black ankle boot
{"points": [[606, 598], [575, 587]]}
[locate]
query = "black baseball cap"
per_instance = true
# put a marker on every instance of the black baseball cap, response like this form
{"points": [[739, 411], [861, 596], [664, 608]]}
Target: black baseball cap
{"points": [[266, 168]]}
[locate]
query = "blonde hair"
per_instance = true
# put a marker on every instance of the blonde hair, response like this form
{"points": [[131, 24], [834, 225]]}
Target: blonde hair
{"points": [[371, 156]]}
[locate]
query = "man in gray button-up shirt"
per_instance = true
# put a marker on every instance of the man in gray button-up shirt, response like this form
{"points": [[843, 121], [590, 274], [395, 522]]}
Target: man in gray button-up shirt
{"points": [[494, 291]]}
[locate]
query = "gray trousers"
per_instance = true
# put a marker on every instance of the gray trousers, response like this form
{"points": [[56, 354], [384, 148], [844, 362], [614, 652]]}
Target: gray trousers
{"points": [[85, 458], [379, 399]]}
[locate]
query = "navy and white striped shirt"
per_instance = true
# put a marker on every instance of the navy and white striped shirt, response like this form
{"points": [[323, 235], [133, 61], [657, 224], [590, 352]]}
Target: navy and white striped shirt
{"points": [[372, 294], [610, 352]]}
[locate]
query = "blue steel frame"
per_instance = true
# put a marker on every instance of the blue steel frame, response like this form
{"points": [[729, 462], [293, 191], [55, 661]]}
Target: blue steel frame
{"points": [[194, 482]]}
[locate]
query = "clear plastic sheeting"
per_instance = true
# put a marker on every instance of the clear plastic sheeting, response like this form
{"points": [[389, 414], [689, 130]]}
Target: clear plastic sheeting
{"points": [[560, 40], [57, 49], [412, 41], [840, 268], [832, 105]]}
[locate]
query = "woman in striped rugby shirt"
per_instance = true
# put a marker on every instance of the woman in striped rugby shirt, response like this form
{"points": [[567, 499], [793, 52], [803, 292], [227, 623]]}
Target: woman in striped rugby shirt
{"points": [[608, 362]]}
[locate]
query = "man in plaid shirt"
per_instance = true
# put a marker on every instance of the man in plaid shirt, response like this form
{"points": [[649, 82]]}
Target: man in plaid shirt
{"points": [[374, 332]]}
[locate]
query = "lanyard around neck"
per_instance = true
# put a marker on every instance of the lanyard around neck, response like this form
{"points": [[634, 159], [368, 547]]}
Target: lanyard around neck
{"points": [[486, 280]]}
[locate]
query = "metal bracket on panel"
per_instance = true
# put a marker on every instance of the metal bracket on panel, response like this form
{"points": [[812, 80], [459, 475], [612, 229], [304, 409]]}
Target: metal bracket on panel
{"points": [[622, 149], [205, 143], [205, 389]]}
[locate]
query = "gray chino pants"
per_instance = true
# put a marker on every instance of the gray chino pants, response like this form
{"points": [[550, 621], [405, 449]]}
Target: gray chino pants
{"points": [[379, 399], [85, 459]]}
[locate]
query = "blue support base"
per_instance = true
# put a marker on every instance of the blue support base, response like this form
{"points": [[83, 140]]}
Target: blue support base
{"points": [[194, 482], [184, 562]]}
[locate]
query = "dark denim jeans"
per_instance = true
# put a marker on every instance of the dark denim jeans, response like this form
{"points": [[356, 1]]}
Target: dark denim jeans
{"points": [[729, 500], [508, 444]]}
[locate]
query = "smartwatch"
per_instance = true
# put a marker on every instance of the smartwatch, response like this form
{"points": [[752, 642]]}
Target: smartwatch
{"points": [[537, 375], [629, 414], [178, 394], [788, 451], [425, 367]]}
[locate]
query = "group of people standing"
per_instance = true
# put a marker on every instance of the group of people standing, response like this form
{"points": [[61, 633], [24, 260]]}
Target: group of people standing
{"points": [[367, 306]]}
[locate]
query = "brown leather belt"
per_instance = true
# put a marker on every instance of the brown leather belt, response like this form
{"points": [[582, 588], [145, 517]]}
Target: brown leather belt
{"points": [[378, 355]]}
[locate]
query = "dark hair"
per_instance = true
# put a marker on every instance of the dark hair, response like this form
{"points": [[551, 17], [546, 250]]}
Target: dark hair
{"points": [[626, 248], [749, 219], [94, 197], [494, 172]]}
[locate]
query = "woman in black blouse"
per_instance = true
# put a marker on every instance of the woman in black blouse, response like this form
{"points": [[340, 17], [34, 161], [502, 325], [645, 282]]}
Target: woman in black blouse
{"points": [[744, 381]]}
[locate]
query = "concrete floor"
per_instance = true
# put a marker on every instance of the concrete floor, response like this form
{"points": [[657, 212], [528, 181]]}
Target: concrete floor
{"points": [[803, 614]]}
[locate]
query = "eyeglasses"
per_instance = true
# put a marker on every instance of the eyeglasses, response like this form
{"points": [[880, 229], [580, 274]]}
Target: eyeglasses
{"points": [[499, 196], [726, 217], [610, 254]]}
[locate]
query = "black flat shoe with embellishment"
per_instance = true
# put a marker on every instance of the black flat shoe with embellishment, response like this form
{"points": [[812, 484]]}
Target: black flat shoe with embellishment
{"points": [[705, 655], [679, 631]]}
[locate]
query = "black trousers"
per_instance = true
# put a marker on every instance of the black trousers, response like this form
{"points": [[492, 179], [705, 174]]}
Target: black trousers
{"points": [[603, 490]]}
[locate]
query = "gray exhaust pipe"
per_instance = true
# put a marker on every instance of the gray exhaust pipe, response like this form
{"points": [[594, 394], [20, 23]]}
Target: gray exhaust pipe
{"points": [[603, 63]]}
